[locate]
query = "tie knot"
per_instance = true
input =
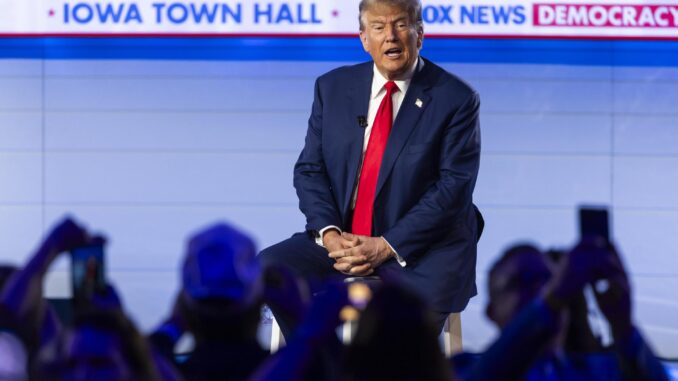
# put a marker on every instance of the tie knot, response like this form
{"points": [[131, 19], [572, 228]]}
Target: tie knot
{"points": [[391, 87]]}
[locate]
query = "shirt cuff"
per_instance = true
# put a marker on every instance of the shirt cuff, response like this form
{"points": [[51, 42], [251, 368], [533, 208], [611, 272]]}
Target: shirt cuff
{"points": [[319, 237], [401, 260]]}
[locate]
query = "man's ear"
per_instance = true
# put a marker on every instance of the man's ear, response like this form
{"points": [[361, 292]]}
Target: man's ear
{"points": [[363, 39], [420, 36]]}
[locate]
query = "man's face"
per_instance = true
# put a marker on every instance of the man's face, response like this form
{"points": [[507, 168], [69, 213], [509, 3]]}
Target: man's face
{"points": [[391, 38]]}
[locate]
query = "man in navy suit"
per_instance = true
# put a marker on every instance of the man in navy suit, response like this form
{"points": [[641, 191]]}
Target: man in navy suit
{"points": [[387, 172]]}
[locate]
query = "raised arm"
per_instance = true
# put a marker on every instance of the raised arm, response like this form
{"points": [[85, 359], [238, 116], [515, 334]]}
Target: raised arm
{"points": [[22, 297]]}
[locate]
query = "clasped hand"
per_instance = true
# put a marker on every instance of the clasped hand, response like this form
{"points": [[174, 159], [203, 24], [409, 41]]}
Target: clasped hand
{"points": [[356, 254]]}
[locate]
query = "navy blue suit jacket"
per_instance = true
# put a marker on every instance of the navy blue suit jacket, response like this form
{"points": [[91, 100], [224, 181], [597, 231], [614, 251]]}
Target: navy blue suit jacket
{"points": [[423, 202]]}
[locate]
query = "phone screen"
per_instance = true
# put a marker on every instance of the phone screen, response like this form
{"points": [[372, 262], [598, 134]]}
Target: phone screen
{"points": [[87, 272], [594, 223]]}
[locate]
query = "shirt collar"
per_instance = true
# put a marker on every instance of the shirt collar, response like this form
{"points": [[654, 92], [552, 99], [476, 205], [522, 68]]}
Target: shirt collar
{"points": [[378, 80]]}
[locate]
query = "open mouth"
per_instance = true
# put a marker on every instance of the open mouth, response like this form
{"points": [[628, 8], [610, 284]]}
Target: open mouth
{"points": [[393, 52]]}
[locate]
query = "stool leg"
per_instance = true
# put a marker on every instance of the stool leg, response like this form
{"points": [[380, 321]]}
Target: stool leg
{"points": [[347, 332], [452, 335], [277, 338]]}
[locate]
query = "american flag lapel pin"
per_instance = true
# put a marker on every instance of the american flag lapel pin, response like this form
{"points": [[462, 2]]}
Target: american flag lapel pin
{"points": [[419, 103]]}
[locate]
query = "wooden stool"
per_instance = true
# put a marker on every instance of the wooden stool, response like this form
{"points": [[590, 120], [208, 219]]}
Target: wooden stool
{"points": [[452, 335], [277, 338]]}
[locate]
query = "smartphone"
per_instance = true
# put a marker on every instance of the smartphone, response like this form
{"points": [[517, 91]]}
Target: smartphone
{"points": [[88, 273], [594, 222]]}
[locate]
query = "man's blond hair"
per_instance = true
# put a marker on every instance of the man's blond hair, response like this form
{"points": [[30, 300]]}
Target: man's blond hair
{"points": [[413, 8]]}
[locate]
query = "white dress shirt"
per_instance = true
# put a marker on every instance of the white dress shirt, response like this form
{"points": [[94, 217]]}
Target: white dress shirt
{"points": [[376, 96]]}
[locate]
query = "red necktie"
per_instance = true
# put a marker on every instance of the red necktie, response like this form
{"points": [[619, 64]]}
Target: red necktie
{"points": [[367, 185]]}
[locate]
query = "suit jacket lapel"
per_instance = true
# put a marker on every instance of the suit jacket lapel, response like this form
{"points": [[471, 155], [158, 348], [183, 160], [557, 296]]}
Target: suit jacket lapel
{"points": [[411, 109], [358, 101]]}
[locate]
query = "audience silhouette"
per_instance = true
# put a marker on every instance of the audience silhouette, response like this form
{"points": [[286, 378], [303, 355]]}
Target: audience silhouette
{"points": [[535, 299]]}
